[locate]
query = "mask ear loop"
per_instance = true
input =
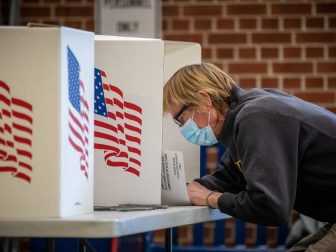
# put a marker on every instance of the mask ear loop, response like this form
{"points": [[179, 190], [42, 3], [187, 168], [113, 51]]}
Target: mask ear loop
{"points": [[192, 117], [209, 118]]}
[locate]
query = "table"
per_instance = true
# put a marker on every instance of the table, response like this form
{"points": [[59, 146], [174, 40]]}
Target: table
{"points": [[110, 224]]}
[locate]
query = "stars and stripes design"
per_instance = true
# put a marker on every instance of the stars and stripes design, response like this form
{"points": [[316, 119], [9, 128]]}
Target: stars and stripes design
{"points": [[16, 132], [118, 126], [78, 113]]}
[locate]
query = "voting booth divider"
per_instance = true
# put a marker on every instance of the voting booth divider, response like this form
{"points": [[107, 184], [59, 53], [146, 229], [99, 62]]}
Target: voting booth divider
{"points": [[46, 122], [130, 130], [81, 121]]}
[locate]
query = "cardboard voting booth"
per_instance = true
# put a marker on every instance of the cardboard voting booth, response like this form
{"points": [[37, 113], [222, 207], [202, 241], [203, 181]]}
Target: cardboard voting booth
{"points": [[46, 122], [129, 78], [128, 120]]}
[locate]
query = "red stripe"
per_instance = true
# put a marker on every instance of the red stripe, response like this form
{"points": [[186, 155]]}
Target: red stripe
{"points": [[133, 118], [22, 116], [132, 128], [22, 128], [102, 73], [22, 140], [111, 115], [106, 136], [86, 129], [106, 87], [84, 102], [85, 116], [4, 86], [2, 131], [133, 170], [106, 147], [24, 153], [105, 125], [82, 167], [75, 146], [133, 107], [77, 135], [134, 150], [10, 144], [122, 142], [2, 142], [8, 128], [120, 115], [11, 158], [74, 118], [116, 164], [133, 139], [22, 176], [113, 154], [109, 101], [5, 100], [6, 113], [7, 169], [116, 90], [120, 128], [135, 161], [82, 85], [22, 103], [118, 103], [25, 165]]}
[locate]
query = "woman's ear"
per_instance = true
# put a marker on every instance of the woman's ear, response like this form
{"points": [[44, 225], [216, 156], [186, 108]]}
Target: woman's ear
{"points": [[206, 98]]}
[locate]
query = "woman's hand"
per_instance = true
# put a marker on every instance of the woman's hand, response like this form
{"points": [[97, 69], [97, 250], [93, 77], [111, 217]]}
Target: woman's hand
{"points": [[198, 195]]}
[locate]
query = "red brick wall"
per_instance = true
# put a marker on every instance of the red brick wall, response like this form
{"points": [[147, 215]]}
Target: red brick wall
{"points": [[73, 13], [279, 44]]}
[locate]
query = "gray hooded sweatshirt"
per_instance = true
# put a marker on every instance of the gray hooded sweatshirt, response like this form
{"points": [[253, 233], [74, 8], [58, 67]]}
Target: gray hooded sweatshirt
{"points": [[281, 155]]}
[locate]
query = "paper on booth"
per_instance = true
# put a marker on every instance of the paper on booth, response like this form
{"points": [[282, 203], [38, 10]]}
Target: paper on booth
{"points": [[173, 182]]}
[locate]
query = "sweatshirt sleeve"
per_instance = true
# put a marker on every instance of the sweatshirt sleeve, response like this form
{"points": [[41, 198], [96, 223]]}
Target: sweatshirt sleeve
{"points": [[267, 146], [226, 177]]}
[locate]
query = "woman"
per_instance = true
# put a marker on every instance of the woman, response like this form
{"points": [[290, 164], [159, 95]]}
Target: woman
{"points": [[281, 151]]}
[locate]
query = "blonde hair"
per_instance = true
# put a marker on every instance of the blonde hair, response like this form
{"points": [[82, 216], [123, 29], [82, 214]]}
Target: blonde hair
{"points": [[184, 86]]}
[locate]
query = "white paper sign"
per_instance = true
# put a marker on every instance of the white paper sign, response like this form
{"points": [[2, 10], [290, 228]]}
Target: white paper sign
{"points": [[141, 18], [173, 183]]}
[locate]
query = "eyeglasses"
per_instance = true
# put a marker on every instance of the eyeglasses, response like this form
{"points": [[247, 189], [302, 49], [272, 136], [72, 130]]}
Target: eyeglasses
{"points": [[178, 115]]}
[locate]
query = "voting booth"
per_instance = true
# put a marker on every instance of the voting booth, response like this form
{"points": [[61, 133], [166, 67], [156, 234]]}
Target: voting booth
{"points": [[46, 122], [130, 132], [128, 115]]}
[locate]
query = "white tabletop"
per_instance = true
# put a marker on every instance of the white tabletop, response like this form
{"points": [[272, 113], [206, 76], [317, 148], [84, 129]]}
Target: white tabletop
{"points": [[108, 223]]}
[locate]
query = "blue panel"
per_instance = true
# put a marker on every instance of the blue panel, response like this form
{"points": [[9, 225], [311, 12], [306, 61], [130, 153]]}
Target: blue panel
{"points": [[198, 234], [219, 232], [261, 235], [240, 232]]}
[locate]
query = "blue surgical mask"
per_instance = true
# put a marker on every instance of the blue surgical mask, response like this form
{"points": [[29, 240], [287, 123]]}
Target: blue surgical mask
{"points": [[195, 135]]}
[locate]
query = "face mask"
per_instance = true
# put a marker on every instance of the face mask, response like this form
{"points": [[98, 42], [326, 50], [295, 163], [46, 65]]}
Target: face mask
{"points": [[195, 135]]}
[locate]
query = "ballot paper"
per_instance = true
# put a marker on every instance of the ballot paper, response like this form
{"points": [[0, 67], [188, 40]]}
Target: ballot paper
{"points": [[173, 182]]}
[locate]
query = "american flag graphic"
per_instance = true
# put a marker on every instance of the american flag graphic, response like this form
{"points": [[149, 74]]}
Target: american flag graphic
{"points": [[118, 126], [78, 113], [16, 130]]}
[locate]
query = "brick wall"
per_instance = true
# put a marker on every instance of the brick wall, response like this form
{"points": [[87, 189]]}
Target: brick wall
{"points": [[279, 44], [72, 13]]}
